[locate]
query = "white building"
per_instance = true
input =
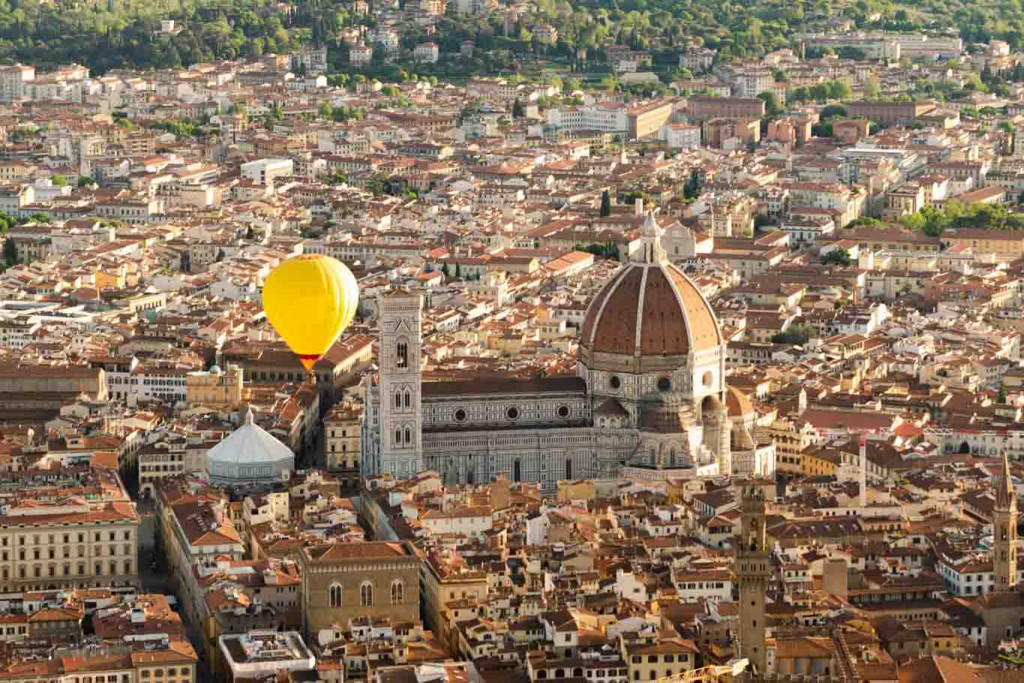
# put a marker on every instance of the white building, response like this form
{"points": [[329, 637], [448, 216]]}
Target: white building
{"points": [[13, 80], [713, 585], [463, 520], [808, 229], [264, 171], [680, 135], [360, 55], [608, 117], [258, 655], [427, 52]]}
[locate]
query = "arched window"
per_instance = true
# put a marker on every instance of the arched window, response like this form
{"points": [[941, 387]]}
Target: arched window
{"points": [[517, 470], [408, 435], [366, 594], [397, 592], [403, 354], [408, 399], [398, 400], [335, 595], [398, 436], [568, 468]]}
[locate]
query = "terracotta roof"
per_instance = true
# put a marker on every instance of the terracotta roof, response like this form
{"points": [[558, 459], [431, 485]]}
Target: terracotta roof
{"points": [[737, 402], [656, 301], [352, 551]]}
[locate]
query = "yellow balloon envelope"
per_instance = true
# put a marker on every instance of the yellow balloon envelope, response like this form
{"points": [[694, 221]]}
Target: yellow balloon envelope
{"points": [[310, 300]]}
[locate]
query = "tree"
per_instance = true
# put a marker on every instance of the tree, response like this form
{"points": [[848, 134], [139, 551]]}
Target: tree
{"points": [[866, 221], [604, 250], [606, 203], [10, 252], [833, 111], [444, 269], [872, 88], [771, 103], [839, 90], [458, 271], [796, 334], [325, 111], [84, 180], [1002, 393], [58, 180], [986, 73], [377, 185], [837, 257], [518, 111]]}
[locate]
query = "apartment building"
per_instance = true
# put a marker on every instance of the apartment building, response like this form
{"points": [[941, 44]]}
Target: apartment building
{"points": [[74, 541], [645, 120], [341, 443], [903, 113], [704, 108], [14, 79]]}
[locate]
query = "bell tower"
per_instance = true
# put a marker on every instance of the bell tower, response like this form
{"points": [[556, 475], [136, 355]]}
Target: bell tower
{"points": [[754, 570], [1004, 532], [401, 418]]}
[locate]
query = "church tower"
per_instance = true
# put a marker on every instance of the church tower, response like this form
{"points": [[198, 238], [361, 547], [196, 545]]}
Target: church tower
{"points": [[754, 570], [1004, 531], [401, 419]]}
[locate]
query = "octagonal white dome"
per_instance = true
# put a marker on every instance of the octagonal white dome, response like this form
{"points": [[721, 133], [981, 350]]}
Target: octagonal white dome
{"points": [[250, 454]]}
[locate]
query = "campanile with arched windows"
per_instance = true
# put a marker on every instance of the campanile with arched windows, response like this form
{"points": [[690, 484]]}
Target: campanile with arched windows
{"points": [[400, 444], [1004, 531]]}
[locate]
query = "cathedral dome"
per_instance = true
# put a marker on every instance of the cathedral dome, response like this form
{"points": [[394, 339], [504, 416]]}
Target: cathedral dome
{"points": [[650, 308]]}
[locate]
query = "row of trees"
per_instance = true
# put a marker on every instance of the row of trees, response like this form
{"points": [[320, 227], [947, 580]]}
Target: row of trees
{"points": [[119, 33], [955, 214], [115, 33]]}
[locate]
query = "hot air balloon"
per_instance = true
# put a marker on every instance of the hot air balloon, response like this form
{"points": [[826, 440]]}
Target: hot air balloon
{"points": [[310, 300]]}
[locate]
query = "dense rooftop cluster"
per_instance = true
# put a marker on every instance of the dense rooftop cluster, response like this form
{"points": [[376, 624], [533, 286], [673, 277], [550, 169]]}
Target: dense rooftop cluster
{"points": [[709, 371]]}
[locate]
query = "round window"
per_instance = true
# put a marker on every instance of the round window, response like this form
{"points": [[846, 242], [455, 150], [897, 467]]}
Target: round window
{"points": [[615, 382], [563, 411], [664, 384], [708, 378], [460, 415], [512, 413]]}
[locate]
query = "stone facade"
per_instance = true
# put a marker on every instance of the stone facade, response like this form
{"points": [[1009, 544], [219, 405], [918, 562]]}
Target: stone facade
{"points": [[649, 391], [754, 569], [1004, 531], [345, 581]]}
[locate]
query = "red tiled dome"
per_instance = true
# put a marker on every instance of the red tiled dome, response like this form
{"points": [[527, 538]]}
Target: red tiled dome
{"points": [[650, 308]]}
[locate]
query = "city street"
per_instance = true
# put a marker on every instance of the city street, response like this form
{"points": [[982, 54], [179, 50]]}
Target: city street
{"points": [[313, 457], [154, 579]]}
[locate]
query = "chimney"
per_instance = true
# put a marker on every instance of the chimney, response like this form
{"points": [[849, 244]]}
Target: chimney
{"points": [[638, 207]]}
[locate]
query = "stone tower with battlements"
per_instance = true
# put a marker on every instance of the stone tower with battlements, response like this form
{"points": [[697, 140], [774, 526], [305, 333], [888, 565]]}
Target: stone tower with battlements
{"points": [[754, 570]]}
